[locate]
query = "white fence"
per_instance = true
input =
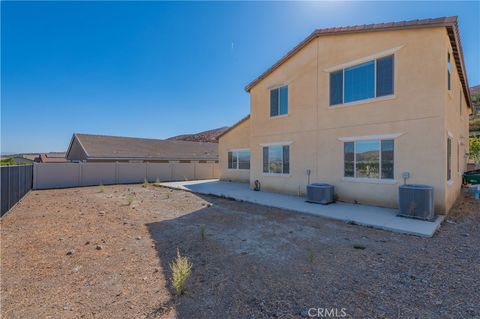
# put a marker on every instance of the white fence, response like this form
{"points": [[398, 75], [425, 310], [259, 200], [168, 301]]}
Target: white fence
{"points": [[61, 175]]}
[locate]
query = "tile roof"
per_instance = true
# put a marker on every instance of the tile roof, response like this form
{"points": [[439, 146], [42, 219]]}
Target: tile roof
{"points": [[449, 22], [118, 147]]}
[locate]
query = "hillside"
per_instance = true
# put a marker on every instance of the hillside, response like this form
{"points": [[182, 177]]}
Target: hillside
{"points": [[209, 136]]}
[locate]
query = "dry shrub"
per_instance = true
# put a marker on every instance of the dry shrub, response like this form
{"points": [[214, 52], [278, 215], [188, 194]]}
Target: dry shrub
{"points": [[181, 269]]}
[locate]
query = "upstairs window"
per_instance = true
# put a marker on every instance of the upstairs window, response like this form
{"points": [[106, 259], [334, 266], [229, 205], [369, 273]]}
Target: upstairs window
{"points": [[363, 81], [239, 159], [449, 76], [279, 101]]}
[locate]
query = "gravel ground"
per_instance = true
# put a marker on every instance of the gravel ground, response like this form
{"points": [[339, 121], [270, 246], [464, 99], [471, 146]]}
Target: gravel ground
{"points": [[82, 253]]}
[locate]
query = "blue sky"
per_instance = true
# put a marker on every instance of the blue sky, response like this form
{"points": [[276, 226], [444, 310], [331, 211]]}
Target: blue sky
{"points": [[158, 69]]}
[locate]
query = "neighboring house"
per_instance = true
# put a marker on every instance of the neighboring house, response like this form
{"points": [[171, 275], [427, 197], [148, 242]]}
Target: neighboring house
{"points": [[357, 107], [31, 157], [100, 148], [22, 160], [52, 157], [210, 136]]}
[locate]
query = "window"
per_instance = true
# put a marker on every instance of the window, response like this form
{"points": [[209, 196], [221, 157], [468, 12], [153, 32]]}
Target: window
{"points": [[279, 101], [363, 81], [239, 159], [449, 159], [449, 76], [461, 106], [369, 159], [276, 159], [458, 157]]}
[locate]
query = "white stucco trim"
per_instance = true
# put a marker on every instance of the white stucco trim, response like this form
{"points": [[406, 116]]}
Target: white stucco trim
{"points": [[363, 59], [279, 116], [450, 134], [276, 143], [277, 86], [276, 174], [365, 101], [370, 137], [369, 180], [239, 150]]}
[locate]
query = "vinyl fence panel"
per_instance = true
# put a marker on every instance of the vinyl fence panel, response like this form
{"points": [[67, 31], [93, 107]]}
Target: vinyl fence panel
{"points": [[98, 173], [130, 173], [204, 170], [183, 171], [56, 175], [160, 171], [61, 175]]}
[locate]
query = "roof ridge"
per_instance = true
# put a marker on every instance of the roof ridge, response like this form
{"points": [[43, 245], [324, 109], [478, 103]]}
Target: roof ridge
{"points": [[138, 138]]}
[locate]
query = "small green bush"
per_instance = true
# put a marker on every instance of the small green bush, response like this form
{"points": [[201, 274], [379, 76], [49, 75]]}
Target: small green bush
{"points": [[7, 161], [101, 188], [181, 269], [129, 199], [474, 149], [310, 255], [145, 183]]}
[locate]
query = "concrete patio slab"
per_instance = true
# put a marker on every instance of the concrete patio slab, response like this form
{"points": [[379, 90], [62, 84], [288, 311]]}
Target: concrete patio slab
{"points": [[372, 216]]}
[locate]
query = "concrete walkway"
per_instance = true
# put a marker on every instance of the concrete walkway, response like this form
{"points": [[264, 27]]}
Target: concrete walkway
{"points": [[377, 217]]}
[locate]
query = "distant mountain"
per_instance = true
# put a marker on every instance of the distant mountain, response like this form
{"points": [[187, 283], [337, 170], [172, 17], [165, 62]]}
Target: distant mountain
{"points": [[475, 89], [209, 136]]}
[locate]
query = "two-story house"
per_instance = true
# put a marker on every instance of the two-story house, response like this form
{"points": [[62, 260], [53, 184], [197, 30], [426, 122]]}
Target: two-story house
{"points": [[358, 107]]}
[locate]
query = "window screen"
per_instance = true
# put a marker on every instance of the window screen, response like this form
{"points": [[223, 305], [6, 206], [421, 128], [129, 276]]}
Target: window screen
{"points": [[359, 82]]}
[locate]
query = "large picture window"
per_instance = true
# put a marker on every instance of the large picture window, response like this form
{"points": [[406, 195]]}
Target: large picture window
{"points": [[239, 159], [369, 159], [279, 101], [276, 159], [362, 81]]}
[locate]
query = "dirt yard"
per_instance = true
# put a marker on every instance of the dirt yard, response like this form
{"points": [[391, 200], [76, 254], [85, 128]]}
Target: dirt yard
{"points": [[82, 253]]}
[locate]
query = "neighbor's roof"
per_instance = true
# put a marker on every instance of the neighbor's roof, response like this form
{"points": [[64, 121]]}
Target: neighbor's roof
{"points": [[450, 23], [53, 157], [234, 126], [118, 147]]}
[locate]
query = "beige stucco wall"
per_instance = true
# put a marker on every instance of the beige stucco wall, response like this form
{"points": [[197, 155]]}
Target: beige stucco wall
{"points": [[237, 138], [456, 126], [417, 113]]}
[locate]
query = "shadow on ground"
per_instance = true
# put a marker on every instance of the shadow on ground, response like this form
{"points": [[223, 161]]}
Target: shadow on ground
{"points": [[260, 262]]}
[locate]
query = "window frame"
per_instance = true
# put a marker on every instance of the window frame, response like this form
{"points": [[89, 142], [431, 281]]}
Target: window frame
{"points": [[375, 97], [278, 87], [237, 151], [380, 179], [282, 145], [449, 72], [449, 158]]}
